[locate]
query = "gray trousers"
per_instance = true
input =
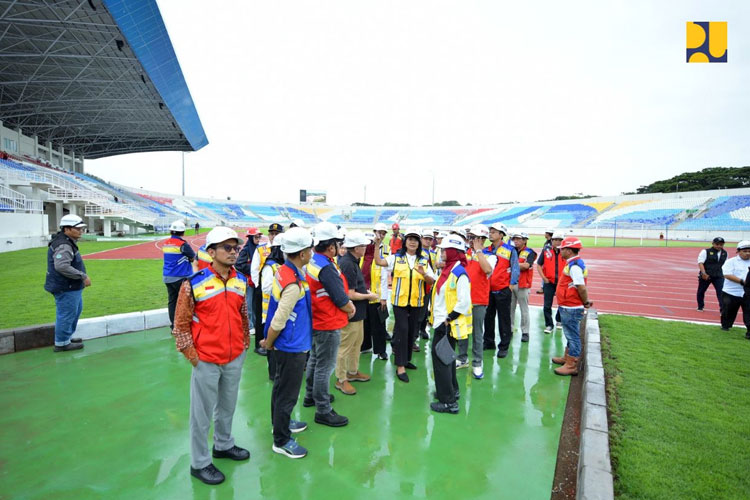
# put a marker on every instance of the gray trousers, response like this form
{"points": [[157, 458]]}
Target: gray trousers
{"points": [[213, 394], [320, 365], [521, 298], [477, 338]]}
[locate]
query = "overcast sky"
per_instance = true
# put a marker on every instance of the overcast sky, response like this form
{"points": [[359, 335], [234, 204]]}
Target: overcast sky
{"points": [[498, 100]]}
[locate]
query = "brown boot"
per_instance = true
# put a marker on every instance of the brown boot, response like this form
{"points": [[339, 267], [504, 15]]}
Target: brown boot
{"points": [[561, 359], [569, 368], [346, 388]]}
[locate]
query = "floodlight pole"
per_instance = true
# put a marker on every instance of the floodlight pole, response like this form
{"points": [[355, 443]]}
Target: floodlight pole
{"points": [[183, 173]]}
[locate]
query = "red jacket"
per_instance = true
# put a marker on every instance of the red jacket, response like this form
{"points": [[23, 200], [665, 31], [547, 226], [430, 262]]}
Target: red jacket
{"points": [[217, 330], [480, 284]]}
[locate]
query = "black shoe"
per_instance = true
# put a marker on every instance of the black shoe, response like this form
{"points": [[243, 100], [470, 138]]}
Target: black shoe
{"points": [[262, 351], [415, 348], [489, 347], [444, 408], [524, 337], [76, 340], [383, 356], [70, 347], [235, 453], [457, 395], [410, 366], [403, 377], [502, 354], [308, 402], [747, 335], [388, 338], [424, 335], [699, 309], [722, 329], [208, 474], [331, 419]]}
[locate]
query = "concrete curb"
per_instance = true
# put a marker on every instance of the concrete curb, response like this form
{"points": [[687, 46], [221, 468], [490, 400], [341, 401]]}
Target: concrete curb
{"points": [[595, 479], [29, 337]]}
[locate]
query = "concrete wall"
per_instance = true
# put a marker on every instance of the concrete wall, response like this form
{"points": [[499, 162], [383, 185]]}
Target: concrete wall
{"points": [[21, 231]]}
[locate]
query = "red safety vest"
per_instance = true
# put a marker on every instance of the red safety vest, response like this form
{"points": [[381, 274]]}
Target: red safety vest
{"points": [[480, 284], [552, 265], [566, 292], [218, 335], [500, 278], [526, 277], [395, 244], [326, 315]]}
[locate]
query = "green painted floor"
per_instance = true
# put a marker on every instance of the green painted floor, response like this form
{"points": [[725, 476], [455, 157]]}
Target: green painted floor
{"points": [[111, 421]]}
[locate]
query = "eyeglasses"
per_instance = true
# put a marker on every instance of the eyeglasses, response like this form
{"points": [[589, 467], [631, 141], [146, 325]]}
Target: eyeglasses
{"points": [[229, 248]]}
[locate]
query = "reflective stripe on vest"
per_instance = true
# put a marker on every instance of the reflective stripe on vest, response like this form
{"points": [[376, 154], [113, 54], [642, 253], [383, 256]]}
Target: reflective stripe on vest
{"points": [[408, 288], [203, 258], [500, 278], [462, 326], [217, 330], [566, 292], [266, 296], [526, 277], [375, 275], [176, 264], [553, 261], [326, 315], [296, 336]]}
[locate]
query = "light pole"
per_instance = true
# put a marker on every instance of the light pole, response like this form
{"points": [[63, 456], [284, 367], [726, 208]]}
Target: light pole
{"points": [[183, 173]]}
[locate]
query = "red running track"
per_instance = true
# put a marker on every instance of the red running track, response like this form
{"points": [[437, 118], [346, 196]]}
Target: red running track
{"points": [[650, 282]]}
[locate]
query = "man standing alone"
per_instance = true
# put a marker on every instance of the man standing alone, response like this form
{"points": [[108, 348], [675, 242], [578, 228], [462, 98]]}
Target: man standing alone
{"points": [[66, 279], [178, 259], [710, 261]]}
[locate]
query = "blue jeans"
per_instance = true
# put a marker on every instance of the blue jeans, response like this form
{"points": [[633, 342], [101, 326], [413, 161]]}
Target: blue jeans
{"points": [[571, 322], [69, 306], [325, 347], [249, 292]]}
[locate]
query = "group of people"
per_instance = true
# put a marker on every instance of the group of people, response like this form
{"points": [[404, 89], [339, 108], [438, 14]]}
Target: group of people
{"points": [[323, 300], [730, 278]]}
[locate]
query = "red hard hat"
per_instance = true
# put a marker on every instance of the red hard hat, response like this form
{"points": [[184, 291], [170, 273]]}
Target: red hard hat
{"points": [[571, 242], [252, 231], [395, 226]]}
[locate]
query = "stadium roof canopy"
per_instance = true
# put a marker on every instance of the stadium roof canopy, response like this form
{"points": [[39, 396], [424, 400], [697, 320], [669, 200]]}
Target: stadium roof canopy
{"points": [[96, 77]]}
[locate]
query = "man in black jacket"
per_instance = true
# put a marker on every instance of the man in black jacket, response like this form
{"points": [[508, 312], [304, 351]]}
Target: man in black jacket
{"points": [[244, 259], [66, 279], [710, 261]]}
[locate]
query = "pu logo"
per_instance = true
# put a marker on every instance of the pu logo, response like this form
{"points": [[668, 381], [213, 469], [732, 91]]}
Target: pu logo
{"points": [[706, 42]]}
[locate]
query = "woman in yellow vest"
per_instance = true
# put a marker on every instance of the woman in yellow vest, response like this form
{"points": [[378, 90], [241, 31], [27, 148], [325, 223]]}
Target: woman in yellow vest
{"points": [[411, 273], [451, 317]]}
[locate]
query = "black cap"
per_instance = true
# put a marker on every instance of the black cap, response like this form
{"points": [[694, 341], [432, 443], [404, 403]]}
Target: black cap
{"points": [[718, 239], [276, 227]]}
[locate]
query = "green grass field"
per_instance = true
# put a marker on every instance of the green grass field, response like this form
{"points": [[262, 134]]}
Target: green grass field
{"points": [[679, 400], [118, 286]]}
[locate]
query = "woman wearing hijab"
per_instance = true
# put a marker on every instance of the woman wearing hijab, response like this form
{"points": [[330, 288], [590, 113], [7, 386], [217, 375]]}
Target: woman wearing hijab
{"points": [[451, 317], [411, 273]]}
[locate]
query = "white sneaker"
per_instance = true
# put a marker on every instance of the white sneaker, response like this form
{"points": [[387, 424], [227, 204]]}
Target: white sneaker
{"points": [[477, 372], [461, 364], [559, 326], [548, 329], [252, 331]]}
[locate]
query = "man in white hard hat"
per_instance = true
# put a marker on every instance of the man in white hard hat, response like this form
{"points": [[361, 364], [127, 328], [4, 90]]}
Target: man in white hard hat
{"points": [[66, 279], [503, 281], [347, 360], [526, 259], [288, 338], [212, 331], [549, 266], [331, 308], [178, 264], [735, 294]]}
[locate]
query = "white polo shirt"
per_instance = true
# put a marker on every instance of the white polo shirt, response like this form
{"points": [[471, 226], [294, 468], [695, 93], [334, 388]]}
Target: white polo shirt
{"points": [[738, 268]]}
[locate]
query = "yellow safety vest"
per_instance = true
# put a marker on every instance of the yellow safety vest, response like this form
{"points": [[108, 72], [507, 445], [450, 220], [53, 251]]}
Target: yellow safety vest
{"points": [[462, 326], [266, 296], [408, 288]]}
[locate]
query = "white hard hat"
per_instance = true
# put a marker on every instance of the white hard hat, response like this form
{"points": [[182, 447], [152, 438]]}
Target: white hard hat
{"points": [[219, 234], [743, 244], [499, 226], [278, 239], [355, 238], [412, 231], [550, 230], [380, 227], [480, 230], [177, 226], [327, 231], [369, 235], [558, 235], [524, 235], [459, 231], [441, 234], [453, 241], [298, 222], [296, 239], [427, 232], [71, 220], [516, 234], [435, 230]]}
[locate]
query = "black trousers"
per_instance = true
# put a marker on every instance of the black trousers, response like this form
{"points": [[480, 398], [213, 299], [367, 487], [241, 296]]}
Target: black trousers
{"points": [[549, 297], [717, 282], [446, 384], [374, 330], [489, 325], [404, 332], [271, 360], [258, 311], [502, 300], [732, 304], [290, 370], [425, 313], [173, 291]]}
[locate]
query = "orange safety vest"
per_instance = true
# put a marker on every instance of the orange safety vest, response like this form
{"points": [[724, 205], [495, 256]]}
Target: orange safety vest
{"points": [[566, 292], [526, 277], [326, 315], [552, 264]]}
